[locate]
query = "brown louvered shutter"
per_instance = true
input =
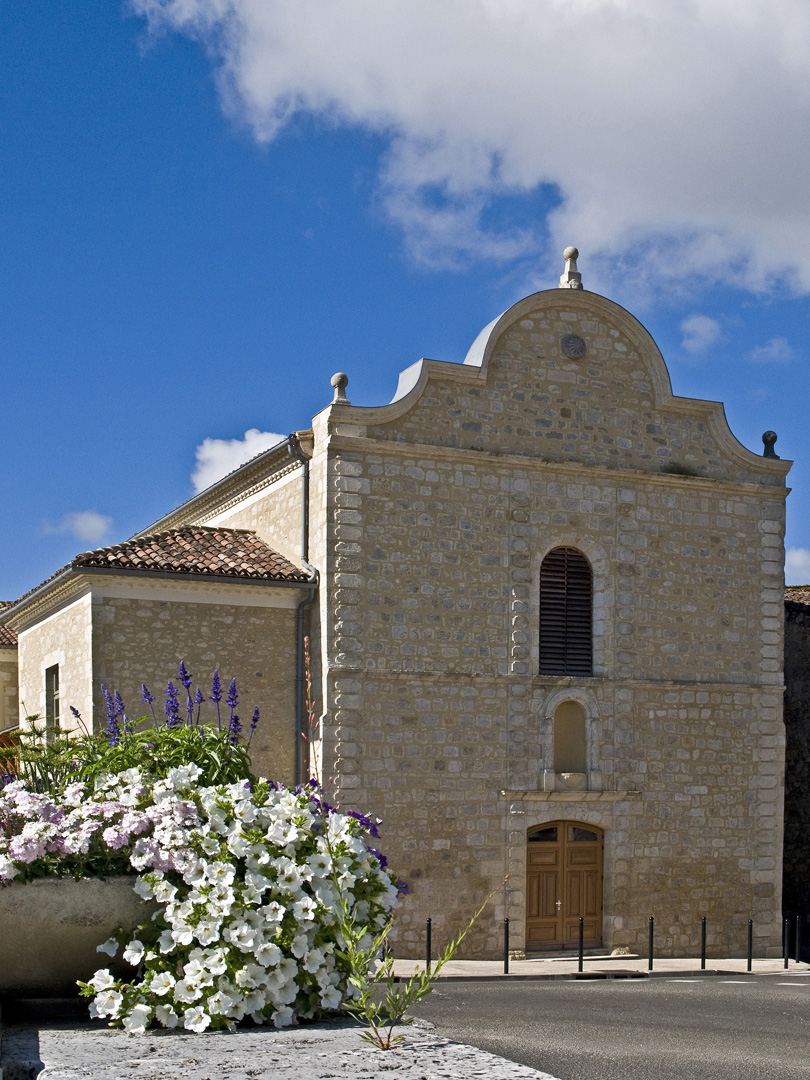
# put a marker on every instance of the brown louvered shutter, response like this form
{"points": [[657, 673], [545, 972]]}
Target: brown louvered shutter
{"points": [[565, 613]]}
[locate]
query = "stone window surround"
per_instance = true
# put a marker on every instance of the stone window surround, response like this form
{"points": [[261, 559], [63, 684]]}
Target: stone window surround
{"points": [[548, 780]]}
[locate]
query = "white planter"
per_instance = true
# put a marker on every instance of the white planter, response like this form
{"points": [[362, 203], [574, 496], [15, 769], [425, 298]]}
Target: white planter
{"points": [[49, 930]]}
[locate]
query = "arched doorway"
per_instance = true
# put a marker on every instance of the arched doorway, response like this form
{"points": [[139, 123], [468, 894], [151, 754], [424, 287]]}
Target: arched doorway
{"points": [[563, 883]]}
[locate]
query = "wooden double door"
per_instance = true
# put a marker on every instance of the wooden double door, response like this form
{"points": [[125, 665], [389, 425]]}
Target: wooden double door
{"points": [[563, 884]]}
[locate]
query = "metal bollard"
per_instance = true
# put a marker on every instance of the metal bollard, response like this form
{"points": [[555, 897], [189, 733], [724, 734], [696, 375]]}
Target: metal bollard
{"points": [[581, 943], [652, 935], [703, 943], [506, 946], [750, 944], [798, 938], [786, 941], [428, 927]]}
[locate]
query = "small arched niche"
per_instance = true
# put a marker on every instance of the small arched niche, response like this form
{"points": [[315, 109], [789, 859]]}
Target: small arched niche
{"points": [[570, 747]]}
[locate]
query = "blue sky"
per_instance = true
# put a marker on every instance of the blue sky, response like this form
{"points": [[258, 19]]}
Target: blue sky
{"points": [[206, 209]]}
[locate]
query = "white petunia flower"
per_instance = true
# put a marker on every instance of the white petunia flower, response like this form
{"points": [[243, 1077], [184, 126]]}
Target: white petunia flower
{"points": [[197, 973], [102, 980], [283, 1017], [220, 1004], [219, 873], [268, 955], [207, 932], [166, 942], [300, 945], [133, 953], [108, 1003], [110, 947], [196, 1019], [135, 1023], [166, 1016], [331, 998], [143, 889], [161, 983], [186, 991], [313, 960], [182, 935]]}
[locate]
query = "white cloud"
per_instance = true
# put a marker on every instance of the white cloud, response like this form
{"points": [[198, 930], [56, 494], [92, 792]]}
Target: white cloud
{"points": [[672, 129], [776, 351], [82, 525], [797, 566], [699, 333], [217, 457]]}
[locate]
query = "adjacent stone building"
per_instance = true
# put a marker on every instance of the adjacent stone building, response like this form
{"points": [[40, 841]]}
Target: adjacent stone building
{"points": [[9, 707], [796, 892], [547, 634]]}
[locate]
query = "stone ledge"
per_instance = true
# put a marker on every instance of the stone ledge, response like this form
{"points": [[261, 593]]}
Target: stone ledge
{"points": [[571, 796]]}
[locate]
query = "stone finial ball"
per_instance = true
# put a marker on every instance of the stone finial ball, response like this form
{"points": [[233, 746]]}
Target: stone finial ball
{"points": [[769, 437], [340, 381], [571, 253]]}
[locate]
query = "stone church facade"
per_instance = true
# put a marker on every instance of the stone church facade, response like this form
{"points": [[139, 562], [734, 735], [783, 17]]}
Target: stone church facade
{"points": [[545, 600]]}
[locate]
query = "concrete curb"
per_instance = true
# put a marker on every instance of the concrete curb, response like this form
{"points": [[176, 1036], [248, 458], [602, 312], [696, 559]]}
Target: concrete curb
{"points": [[568, 976]]}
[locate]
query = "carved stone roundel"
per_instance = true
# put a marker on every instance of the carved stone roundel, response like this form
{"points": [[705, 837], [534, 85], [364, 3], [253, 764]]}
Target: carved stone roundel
{"points": [[573, 345]]}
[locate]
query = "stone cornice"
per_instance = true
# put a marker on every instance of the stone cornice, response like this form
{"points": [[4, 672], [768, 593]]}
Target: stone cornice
{"points": [[570, 796], [551, 682], [580, 472]]}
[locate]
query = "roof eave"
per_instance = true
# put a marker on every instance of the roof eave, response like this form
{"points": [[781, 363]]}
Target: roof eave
{"points": [[69, 572], [184, 575]]}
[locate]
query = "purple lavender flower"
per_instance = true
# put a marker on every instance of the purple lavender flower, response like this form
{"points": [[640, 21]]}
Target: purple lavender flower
{"points": [[75, 712], [120, 710], [232, 699], [234, 723], [254, 723], [198, 701], [216, 696], [113, 727], [234, 729], [148, 699], [172, 706], [183, 675], [185, 678], [108, 699]]}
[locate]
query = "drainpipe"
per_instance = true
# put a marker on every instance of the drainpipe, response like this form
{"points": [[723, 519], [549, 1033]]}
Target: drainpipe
{"points": [[294, 447]]}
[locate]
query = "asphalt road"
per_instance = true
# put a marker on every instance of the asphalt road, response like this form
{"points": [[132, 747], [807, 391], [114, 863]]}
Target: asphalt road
{"points": [[711, 1028]]}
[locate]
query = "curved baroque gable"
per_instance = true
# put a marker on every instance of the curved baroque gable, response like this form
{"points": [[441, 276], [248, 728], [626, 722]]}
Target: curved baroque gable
{"points": [[566, 375]]}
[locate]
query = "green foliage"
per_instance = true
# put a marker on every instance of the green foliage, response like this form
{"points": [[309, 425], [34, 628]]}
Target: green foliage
{"points": [[46, 759], [156, 750], [43, 757], [382, 1002]]}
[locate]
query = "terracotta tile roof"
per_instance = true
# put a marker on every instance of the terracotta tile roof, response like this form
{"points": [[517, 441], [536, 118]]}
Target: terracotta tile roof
{"points": [[798, 594], [196, 549], [8, 638]]}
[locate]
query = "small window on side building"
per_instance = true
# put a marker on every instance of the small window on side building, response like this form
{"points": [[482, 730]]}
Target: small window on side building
{"points": [[52, 700]]}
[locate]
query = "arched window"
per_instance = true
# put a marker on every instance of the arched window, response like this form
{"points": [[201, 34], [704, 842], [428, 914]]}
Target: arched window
{"points": [[570, 740], [566, 613]]}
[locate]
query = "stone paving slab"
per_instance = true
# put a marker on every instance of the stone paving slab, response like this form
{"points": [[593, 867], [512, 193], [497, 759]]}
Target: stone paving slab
{"points": [[316, 1052]]}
